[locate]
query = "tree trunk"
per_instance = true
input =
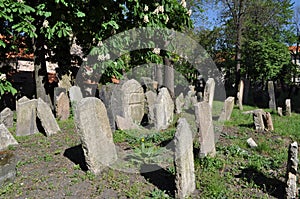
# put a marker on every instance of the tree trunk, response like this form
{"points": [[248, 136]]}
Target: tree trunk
{"points": [[159, 75], [238, 56]]}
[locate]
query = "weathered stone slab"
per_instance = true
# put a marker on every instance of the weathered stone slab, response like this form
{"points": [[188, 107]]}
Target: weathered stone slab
{"points": [[179, 103], [227, 109], [75, 95], [288, 108], [148, 84], [62, 106], [269, 122], [26, 118], [150, 102], [205, 127], [163, 110], [209, 91], [272, 99], [23, 99], [258, 118], [240, 95], [291, 173], [279, 111], [125, 124], [7, 117], [8, 163], [46, 117], [6, 139], [251, 143], [95, 133], [57, 92], [190, 98], [128, 101], [184, 160]]}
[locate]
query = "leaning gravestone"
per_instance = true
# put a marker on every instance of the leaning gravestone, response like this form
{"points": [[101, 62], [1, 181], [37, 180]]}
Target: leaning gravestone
{"points": [[8, 163], [184, 160], [26, 118], [150, 102], [163, 109], [6, 139], [279, 111], [62, 107], [75, 95], [227, 109], [291, 173], [209, 91], [272, 100], [95, 133], [269, 121], [128, 101], [203, 117], [288, 108], [240, 94], [179, 103], [57, 92], [258, 118], [7, 117], [46, 117]]}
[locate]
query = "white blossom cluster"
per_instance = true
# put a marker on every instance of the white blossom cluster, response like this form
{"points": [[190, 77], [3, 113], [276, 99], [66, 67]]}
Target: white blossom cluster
{"points": [[46, 24], [103, 57], [3, 77], [146, 19], [146, 8], [156, 51], [183, 3], [158, 10], [20, 1]]}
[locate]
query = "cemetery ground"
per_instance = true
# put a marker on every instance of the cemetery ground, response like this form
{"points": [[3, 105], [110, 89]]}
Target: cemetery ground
{"points": [[53, 167]]}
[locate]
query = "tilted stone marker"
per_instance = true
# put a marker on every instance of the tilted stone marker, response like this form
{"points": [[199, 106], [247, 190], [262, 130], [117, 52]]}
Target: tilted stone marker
{"points": [[163, 109], [57, 92], [150, 102], [279, 111], [227, 109], [7, 117], [269, 122], [204, 123], [95, 133], [179, 103], [272, 99], [258, 119], [288, 108], [8, 163], [184, 160], [209, 91], [26, 118], [62, 106], [6, 139], [251, 143], [128, 101], [240, 95], [46, 117], [75, 95], [291, 174]]}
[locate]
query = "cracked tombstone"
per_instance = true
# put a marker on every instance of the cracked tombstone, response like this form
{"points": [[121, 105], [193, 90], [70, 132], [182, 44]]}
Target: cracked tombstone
{"points": [[227, 109], [46, 117], [62, 106], [209, 91], [184, 160], [240, 95], [163, 110], [203, 117], [6, 139], [150, 102], [291, 173], [7, 117], [26, 118], [288, 109], [95, 134], [272, 99]]}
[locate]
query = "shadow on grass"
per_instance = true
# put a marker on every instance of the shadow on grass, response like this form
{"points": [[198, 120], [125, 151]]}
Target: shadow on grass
{"points": [[271, 186], [249, 125], [159, 177], [76, 155]]}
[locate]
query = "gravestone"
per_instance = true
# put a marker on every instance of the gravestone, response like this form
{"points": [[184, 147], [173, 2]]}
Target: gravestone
{"points": [[184, 160], [46, 117], [125, 124], [163, 110], [128, 101], [148, 84], [21, 100], [6, 139], [203, 117], [75, 95], [7, 117], [227, 109], [62, 106], [8, 163], [279, 111], [95, 133], [150, 102], [209, 91], [179, 103], [190, 98], [258, 118], [272, 100], [269, 122], [26, 118], [251, 143], [240, 95], [288, 108], [291, 173], [57, 92]]}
